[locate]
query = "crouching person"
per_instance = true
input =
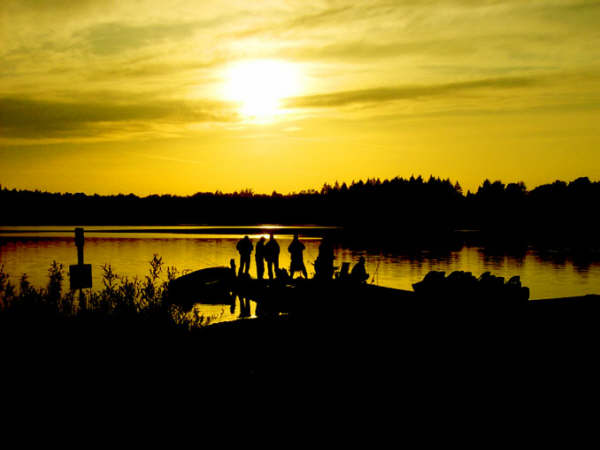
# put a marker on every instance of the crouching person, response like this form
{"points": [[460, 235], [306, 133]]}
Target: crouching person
{"points": [[359, 272]]}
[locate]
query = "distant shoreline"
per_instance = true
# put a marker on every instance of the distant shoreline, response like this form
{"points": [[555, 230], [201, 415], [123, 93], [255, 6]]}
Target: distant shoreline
{"points": [[308, 231]]}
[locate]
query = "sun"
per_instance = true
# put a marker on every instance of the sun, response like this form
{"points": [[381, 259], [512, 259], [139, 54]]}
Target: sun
{"points": [[260, 85]]}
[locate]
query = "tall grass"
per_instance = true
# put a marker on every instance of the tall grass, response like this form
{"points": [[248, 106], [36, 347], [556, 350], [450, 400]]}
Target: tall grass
{"points": [[123, 299]]}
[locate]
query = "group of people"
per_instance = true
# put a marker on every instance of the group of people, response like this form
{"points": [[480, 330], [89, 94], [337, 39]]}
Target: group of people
{"points": [[268, 252]]}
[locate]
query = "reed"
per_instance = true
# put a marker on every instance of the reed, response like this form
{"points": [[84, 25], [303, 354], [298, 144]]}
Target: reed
{"points": [[121, 299]]}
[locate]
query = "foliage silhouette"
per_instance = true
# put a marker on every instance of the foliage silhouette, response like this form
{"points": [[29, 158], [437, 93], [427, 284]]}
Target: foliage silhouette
{"points": [[407, 207]]}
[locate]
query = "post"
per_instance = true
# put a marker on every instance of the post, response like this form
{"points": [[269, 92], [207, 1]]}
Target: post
{"points": [[80, 274], [79, 241]]}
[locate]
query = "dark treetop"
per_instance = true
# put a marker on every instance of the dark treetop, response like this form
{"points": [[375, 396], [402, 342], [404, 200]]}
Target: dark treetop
{"points": [[397, 205]]}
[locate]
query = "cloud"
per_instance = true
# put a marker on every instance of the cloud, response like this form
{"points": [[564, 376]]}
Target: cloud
{"points": [[149, 70], [393, 93], [294, 23], [355, 53], [359, 51], [111, 38], [29, 118]]}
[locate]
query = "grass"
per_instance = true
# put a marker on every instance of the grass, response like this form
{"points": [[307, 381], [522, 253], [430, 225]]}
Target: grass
{"points": [[123, 300]]}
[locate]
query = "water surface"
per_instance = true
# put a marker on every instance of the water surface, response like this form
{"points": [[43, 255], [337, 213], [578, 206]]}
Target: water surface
{"points": [[128, 250]]}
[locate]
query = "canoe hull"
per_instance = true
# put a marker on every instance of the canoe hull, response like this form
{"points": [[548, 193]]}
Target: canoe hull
{"points": [[212, 285]]}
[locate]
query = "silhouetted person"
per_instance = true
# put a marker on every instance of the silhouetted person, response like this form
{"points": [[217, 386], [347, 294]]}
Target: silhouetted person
{"points": [[244, 307], [244, 247], [259, 256], [272, 255], [296, 248], [359, 273], [324, 263]]}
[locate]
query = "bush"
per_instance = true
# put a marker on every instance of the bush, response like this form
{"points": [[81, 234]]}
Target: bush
{"points": [[129, 301]]}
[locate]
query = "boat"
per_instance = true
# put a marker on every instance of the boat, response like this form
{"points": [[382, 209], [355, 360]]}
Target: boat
{"points": [[212, 285], [459, 291], [219, 285], [463, 288]]}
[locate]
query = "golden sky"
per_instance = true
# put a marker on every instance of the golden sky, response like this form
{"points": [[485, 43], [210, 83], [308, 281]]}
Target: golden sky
{"points": [[150, 96]]}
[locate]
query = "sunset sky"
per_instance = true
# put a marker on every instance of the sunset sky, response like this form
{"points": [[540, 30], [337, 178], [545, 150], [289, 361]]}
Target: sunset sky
{"points": [[185, 96]]}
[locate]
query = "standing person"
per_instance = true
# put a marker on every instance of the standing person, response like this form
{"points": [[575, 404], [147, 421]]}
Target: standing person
{"points": [[244, 247], [259, 256], [324, 264], [296, 248], [272, 255]]}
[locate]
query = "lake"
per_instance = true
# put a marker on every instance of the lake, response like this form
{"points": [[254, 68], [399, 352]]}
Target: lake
{"points": [[128, 249]]}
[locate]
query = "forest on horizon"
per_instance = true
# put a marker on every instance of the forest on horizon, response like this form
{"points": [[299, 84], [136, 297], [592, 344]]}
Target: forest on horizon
{"points": [[399, 204]]}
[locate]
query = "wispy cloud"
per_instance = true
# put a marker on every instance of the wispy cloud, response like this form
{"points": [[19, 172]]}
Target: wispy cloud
{"points": [[116, 37], [293, 23], [152, 69], [29, 118], [393, 93]]}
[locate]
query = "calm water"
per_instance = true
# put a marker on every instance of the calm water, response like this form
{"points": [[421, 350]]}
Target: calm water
{"points": [[129, 249]]}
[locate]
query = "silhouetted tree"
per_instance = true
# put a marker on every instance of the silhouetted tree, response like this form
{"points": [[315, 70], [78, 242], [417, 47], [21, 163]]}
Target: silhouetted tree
{"points": [[405, 207]]}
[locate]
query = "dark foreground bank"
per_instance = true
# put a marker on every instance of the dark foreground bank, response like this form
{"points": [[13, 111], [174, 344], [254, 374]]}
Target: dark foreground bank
{"points": [[124, 353], [423, 372], [422, 347]]}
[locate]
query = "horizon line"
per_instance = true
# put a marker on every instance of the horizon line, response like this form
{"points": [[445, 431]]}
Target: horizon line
{"points": [[289, 193]]}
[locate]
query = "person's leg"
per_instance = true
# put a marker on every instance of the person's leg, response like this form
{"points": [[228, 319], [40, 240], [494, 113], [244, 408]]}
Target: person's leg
{"points": [[260, 269], [304, 271], [241, 271], [247, 265], [270, 269]]}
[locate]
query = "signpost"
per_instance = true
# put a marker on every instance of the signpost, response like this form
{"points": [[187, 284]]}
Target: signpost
{"points": [[80, 274]]}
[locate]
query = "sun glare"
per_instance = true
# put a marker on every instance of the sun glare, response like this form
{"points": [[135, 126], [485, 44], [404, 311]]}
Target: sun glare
{"points": [[260, 85]]}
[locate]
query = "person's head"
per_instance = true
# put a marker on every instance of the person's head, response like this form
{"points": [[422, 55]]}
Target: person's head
{"points": [[296, 236], [262, 238], [271, 235], [361, 260], [246, 237]]}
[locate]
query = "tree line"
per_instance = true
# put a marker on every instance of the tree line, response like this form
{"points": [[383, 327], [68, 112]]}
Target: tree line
{"points": [[412, 204]]}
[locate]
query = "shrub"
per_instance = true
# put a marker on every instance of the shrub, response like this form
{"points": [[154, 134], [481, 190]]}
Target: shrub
{"points": [[129, 301]]}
